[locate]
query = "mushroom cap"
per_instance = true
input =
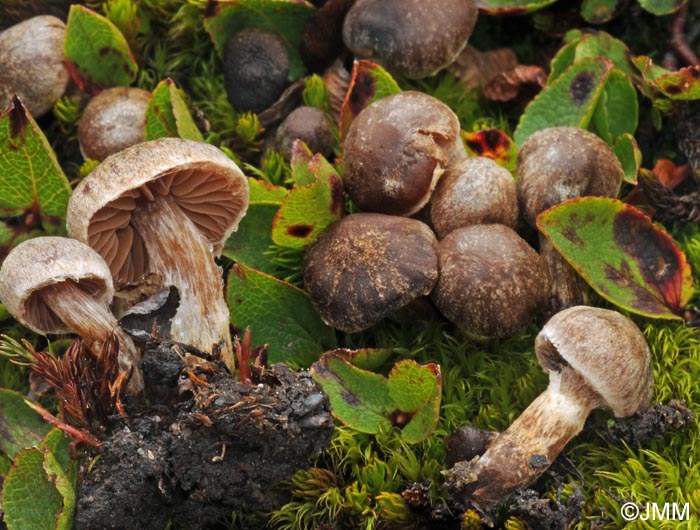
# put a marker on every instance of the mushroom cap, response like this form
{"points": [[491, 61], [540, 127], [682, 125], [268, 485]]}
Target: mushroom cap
{"points": [[256, 69], [308, 124], [207, 185], [113, 120], [491, 281], [414, 38], [606, 349], [31, 63], [561, 163], [474, 190], [395, 151], [43, 261], [365, 266]]}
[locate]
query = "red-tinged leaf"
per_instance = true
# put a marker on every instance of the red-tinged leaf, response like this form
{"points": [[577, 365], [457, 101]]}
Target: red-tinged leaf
{"points": [[669, 174], [683, 84], [493, 144], [511, 7], [369, 82], [622, 254], [365, 358]]}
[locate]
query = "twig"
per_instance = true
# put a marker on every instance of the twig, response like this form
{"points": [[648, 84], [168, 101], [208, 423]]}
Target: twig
{"points": [[679, 41]]}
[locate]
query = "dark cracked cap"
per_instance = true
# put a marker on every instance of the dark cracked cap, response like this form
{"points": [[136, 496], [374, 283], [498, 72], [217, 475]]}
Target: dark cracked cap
{"points": [[606, 349]]}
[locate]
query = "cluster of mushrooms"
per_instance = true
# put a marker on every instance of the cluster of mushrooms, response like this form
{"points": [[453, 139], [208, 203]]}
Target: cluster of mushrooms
{"points": [[433, 222], [403, 156]]}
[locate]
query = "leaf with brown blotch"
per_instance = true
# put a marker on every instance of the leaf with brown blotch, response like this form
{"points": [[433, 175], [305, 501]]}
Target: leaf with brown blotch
{"points": [[506, 86]]}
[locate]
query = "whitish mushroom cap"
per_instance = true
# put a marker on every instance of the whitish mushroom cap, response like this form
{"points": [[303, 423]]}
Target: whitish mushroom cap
{"points": [[43, 261], [31, 63], [606, 349], [207, 185]]}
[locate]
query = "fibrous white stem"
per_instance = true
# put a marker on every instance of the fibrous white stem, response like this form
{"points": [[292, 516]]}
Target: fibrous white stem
{"points": [[92, 320], [182, 256]]}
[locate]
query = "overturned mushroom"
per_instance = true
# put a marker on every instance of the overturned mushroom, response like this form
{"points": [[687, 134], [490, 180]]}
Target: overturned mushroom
{"points": [[167, 206], [414, 38], [366, 266], [60, 285], [555, 165], [596, 358], [396, 150]]}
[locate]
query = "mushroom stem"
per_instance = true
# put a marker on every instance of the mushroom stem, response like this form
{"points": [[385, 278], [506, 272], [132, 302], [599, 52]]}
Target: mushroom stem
{"points": [[519, 455], [183, 258], [568, 288], [87, 317]]}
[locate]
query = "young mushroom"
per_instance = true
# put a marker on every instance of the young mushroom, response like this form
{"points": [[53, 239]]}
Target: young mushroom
{"points": [[474, 190], [166, 207], [256, 69], [59, 285], [413, 38], [366, 266], [491, 281], [595, 358], [397, 149], [308, 124], [32, 63], [554, 165], [113, 120]]}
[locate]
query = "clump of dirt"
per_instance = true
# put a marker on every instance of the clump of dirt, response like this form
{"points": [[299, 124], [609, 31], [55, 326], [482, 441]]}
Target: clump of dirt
{"points": [[650, 424], [206, 446]]}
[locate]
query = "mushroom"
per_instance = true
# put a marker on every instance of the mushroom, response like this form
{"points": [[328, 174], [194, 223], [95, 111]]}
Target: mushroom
{"points": [[491, 281], [474, 191], [113, 120], [59, 285], [366, 266], [256, 69], [395, 151], [31, 63], [554, 165], [595, 358], [413, 38], [166, 207], [308, 124]]}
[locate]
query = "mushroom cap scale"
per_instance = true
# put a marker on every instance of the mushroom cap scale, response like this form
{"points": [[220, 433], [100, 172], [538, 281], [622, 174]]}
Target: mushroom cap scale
{"points": [[607, 351], [206, 184], [43, 261]]}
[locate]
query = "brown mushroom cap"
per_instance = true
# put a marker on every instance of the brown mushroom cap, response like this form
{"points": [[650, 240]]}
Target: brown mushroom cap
{"points": [[365, 266], [395, 151], [45, 261], [414, 38], [113, 120], [474, 191], [31, 63], [561, 163], [491, 281], [205, 183], [311, 126], [606, 349]]}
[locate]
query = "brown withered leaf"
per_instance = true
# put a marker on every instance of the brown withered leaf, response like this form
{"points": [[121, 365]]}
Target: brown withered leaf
{"points": [[476, 68], [337, 79], [669, 174], [507, 86], [322, 36]]}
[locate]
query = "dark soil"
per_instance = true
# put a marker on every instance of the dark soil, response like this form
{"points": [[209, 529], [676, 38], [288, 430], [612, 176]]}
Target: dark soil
{"points": [[206, 447]]}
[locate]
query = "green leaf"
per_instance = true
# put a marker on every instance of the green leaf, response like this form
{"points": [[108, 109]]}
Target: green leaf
{"points": [[223, 19], [622, 254], [253, 238], [278, 314], [621, 105], [359, 398], [20, 426], [308, 210], [511, 7], [662, 7], [629, 155], [369, 82], [598, 11], [31, 180], [365, 358], [62, 472], [569, 100], [493, 144], [368, 402], [167, 115], [683, 84], [97, 54], [261, 192], [30, 501]]}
